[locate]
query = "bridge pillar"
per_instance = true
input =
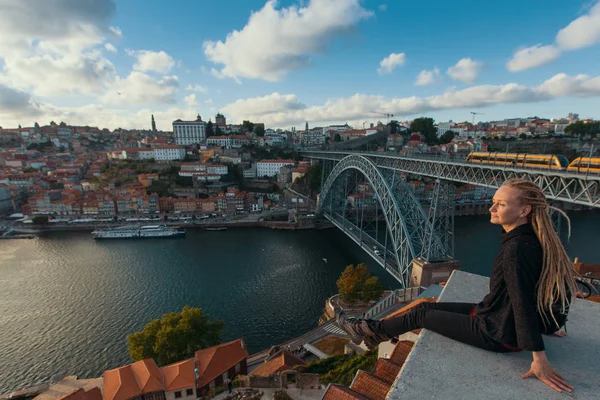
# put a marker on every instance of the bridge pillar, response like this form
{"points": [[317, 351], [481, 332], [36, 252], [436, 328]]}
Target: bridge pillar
{"points": [[425, 273]]}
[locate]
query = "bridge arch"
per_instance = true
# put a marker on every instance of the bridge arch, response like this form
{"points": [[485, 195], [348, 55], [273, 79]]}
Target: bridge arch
{"points": [[406, 221]]}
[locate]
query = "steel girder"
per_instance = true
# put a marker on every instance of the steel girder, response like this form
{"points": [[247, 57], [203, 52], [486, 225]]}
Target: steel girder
{"points": [[406, 221], [557, 185]]}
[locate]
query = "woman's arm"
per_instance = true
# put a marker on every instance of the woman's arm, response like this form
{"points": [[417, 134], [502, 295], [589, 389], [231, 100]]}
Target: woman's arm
{"points": [[541, 369]]}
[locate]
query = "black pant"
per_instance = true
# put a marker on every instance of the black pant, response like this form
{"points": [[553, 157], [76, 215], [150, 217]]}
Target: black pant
{"points": [[453, 320]]}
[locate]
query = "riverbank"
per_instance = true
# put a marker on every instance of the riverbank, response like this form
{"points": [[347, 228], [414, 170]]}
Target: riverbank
{"points": [[303, 224]]}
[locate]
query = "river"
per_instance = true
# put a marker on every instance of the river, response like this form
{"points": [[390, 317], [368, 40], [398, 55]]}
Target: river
{"points": [[67, 302]]}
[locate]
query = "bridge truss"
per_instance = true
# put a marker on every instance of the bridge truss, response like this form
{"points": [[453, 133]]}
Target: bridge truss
{"points": [[384, 217], [576, 188]]}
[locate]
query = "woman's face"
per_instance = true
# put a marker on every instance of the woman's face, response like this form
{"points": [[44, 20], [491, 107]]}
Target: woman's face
{"points": [[506, 209]]}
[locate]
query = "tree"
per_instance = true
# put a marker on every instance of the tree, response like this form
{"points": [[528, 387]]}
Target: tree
{"points": [[259, 130], [394, 125], [447, 137], [209, 129], [581, 128], [175, 337], [523, 136], [249, 126], [337, 138], [218, 131], [356, 284], [427, 129]]}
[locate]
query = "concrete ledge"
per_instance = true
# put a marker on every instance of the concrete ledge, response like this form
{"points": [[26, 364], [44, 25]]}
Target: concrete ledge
{"points": [[441, 368]]}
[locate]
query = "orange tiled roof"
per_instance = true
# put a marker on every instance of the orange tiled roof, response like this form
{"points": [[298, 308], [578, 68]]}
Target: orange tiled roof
{"points": [[370, 386], [81, 394], [407, 308], [132, 380], [179, 375], [339, 392], [282, 361], [214, 361], [401, 351], [386, 370]]}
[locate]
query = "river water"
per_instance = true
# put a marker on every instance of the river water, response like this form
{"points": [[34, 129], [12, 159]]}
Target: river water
{"points": [[67, 302]]}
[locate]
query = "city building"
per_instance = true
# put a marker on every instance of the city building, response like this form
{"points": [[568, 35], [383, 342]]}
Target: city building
{"points": [[232, 357], [180, 380], [139, 153], [271, 168], [188, 133], [141, 379], [169, 153]]}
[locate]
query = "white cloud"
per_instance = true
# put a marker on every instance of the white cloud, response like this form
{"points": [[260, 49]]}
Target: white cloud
{"points": [[275, 42], [157, 61], [116, 32], [48, 58], [284, 110], [23, 24], [17, 102], [196, 88], [390, 62], [383, 7], [466, 70], [191, 99], [426, 77], [140, 88], [279, 110], [85, 73], [582, 32], [109, 47], [532, 57]]}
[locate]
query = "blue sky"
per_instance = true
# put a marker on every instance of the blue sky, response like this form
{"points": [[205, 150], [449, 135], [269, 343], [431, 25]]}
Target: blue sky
{"points": [[113, 63]]}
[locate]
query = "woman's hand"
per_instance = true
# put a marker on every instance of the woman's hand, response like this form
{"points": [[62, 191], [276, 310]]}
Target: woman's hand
{"points": [[545, 373]]}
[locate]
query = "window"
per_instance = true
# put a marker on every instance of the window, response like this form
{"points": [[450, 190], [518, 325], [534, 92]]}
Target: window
{"points": [[178, 394], [189, 392], [211, 385], [225, 376], [237, 368]]}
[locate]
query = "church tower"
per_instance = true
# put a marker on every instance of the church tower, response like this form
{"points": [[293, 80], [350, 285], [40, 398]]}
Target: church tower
{"points": [[153, 124]]}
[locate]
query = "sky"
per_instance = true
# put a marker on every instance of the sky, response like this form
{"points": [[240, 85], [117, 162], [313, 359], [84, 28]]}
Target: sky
{"points": [[114, 63]]}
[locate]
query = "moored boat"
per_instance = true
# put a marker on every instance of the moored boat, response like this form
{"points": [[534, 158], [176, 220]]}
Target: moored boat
{"points": [[139, 232]]}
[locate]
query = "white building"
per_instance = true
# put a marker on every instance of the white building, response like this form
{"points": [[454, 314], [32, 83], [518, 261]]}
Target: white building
{"points": [[189, 132], [189, 169], [271, 168], [180, 380], [443, 127], [139, 153], [169, 153]]}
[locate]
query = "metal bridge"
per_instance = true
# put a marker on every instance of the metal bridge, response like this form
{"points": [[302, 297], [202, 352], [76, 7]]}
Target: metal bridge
{"points": [[395, 227]]}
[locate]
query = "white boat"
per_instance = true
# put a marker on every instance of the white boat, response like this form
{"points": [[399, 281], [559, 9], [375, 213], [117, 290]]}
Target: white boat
{"points": [[138, 232]]}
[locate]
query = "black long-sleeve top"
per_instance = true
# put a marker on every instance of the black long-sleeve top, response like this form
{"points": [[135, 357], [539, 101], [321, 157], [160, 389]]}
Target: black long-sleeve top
{"points": [[508, 313]]}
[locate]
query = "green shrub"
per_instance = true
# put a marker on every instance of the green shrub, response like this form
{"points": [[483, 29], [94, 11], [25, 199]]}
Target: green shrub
{"points": [[342, 369]]}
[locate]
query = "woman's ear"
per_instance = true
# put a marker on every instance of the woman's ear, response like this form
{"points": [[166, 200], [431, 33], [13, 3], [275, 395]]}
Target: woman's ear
{"points": [[526, 211]]}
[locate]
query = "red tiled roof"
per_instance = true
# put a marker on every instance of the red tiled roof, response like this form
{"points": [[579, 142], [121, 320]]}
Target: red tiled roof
{"points": [[338, 392], [386, 370], [370, 386], [280, 362], [401, 351], [214, 361], [277, 161], [81, 394], [179, 375], [132, 380]]}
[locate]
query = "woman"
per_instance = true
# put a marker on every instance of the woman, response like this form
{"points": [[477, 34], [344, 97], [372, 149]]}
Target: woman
{"points": [[530, 290]]}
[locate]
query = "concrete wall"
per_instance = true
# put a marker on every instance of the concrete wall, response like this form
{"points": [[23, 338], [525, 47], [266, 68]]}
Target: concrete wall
{"points": [[441, 368]]}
